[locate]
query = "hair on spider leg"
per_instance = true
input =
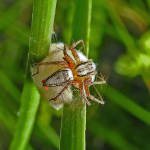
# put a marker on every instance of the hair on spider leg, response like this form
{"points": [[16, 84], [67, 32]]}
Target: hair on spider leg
{"points": [[101, 99], [106, 79], [101, 77]]}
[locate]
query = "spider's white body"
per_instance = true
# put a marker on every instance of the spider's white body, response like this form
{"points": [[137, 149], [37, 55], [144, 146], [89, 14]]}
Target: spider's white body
{"points": [[75, 70], [56, 54], [62, 76]]}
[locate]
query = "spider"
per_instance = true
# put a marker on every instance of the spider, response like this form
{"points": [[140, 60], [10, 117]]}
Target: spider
{"points": [[75, 72]]}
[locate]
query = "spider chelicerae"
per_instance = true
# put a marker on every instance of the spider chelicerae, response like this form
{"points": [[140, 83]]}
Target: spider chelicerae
{"points": [[75, 72]]}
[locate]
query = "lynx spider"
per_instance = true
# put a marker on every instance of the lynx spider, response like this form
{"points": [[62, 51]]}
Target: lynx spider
{"points": [[74, 73]]}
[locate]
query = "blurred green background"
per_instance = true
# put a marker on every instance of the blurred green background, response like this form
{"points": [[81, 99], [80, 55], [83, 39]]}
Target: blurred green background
{"points": [[119, 45]]}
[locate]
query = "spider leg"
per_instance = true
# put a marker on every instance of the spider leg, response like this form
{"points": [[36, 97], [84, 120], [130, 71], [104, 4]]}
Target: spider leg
{"points": [[97, 82], [50, 63], [91, 97], [98, 93], [73, 50], [88, 80], [67, 58], [81, 91], [102, 78], [55, 98]]}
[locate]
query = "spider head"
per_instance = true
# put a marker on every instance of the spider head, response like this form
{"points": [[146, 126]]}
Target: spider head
{"points": [[85, 68]]}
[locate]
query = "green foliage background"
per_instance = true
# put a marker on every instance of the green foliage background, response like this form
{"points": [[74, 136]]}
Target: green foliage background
{"points": [[119, 45]]}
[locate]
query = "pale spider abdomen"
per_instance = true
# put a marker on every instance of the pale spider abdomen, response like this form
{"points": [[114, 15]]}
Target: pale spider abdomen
{"points": [[59, 78]]}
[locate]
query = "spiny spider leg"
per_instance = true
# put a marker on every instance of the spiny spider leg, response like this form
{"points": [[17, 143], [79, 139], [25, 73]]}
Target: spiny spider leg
{"points": [[55, 98], [98, 93], [88, 80], [81, 91], [50, 63], [97, 82], [102, 78], [90, 96], [74, 51], [67, 58]]}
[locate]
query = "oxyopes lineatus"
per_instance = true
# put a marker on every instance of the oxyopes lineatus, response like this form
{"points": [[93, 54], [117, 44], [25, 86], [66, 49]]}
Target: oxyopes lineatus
{"points": [[75, 70]]}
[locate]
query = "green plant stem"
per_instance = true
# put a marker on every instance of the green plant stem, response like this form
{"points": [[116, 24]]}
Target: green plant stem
{"points": [[73, 125], [42, 24], [74, 115], [81, 22]]}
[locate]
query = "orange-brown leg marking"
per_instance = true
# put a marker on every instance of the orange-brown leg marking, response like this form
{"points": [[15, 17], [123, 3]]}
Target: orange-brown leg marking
{"points": [[91, 97], [81, 91], [55, 98], [50, 63], [67, 57], [75, 44]]}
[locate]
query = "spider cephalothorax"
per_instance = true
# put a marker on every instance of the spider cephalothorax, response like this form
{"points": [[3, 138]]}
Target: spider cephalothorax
{"points": [[79, 73]]}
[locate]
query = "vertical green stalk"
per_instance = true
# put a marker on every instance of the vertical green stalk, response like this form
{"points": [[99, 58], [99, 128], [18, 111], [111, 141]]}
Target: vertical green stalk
{"points": [[42, 24], [82, 21], [74, 115]]}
